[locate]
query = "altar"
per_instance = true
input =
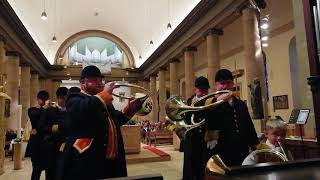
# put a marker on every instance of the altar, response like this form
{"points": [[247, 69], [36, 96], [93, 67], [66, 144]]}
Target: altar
{"points": [[131, 138]]}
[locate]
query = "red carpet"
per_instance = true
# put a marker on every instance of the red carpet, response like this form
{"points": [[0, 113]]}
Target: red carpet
{"points": [[156, 151]]}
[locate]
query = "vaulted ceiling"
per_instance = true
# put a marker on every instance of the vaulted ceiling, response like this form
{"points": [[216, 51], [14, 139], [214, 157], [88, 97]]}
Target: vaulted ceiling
{"points": [[134, 22]]}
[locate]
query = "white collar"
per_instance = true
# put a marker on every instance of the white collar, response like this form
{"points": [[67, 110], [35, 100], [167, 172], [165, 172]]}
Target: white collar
{"points": [[272, 146]]}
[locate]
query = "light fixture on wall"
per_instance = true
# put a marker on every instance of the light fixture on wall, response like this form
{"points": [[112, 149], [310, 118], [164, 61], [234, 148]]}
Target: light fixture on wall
{"points": [[265, 44], [264, 38], [169, 24], [44, 14], [54, 39]]}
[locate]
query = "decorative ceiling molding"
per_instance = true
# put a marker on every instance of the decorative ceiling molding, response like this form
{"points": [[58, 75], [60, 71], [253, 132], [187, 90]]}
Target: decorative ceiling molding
{"points": [[95, 33]]}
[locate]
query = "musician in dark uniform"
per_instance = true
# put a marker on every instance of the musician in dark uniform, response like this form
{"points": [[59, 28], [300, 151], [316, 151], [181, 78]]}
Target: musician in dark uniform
{"points": [[236, 133], [34, 144], [194, 145], [52, 128], [94, 147]]}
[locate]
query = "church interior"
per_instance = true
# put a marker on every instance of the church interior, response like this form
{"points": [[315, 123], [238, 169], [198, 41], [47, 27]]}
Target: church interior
{"points": [[157, 50]]}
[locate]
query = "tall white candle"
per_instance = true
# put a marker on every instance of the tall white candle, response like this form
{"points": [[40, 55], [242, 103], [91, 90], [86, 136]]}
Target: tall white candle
{"points": [[19, 121]]}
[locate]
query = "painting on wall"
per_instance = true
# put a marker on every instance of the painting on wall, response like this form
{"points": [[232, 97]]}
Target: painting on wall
{"points": [[280, 102]]}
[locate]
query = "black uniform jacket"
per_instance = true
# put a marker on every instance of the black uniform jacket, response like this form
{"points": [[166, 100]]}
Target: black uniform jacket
{"points": [[194, 146], [88, 120], [33, 147], [236, 131], [53, 116]]}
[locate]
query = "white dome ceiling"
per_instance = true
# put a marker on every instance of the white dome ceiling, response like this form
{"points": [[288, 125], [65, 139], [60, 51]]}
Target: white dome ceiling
{"points": [[134, 22]]}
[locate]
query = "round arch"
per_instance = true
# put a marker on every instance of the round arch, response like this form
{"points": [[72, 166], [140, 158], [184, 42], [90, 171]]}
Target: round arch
{"points": [[94, 33]]}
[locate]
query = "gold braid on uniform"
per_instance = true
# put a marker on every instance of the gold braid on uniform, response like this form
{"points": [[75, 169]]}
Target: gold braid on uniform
{"points": [[210, 135]]}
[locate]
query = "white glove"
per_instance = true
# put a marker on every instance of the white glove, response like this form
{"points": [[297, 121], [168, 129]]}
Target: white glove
{"points": [[211, 144]]}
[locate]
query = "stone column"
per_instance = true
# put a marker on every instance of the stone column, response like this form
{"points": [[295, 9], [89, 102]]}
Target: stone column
{"points": [[174, 84], [162, 94], [25, 93], [34, 89], [188, 70], [212, 37], [154, 96], [12, 68], [2, 55], [253, 54], [42, 84], [145, 84], [49, 89], [55, 85]]}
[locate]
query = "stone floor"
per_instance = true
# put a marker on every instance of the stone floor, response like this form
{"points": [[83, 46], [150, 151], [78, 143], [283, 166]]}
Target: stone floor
{"points": [[171, 170]]}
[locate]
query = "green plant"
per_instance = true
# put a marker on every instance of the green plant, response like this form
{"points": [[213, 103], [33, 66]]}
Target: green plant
{"points": [[131, 122]]}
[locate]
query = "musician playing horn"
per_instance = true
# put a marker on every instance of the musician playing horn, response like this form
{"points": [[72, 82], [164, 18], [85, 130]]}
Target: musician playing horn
{"points": [[229, 128], [275, 132], [194, 145], [94, 147]]}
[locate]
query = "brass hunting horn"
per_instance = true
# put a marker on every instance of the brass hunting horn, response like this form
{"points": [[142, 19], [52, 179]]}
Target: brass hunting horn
{"points": [[146, 107], [176, 109]]}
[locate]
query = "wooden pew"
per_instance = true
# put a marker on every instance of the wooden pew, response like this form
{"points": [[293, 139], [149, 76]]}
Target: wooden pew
{"points": [[159, 137]]}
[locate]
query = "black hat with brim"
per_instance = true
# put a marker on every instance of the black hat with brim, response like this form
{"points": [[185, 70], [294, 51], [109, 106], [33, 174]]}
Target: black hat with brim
{"points": [[90, 71], [202, 83], [223, 75]]}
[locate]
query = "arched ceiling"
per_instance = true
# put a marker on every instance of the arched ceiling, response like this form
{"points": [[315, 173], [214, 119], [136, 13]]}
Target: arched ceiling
{"points": [[135, 22]]}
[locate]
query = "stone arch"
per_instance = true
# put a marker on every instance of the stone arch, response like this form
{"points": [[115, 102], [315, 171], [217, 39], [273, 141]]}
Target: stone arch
{"points": [[94, 33]]}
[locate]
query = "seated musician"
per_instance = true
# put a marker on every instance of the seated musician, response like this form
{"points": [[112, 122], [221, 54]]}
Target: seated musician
{"points": [[275, 132]]}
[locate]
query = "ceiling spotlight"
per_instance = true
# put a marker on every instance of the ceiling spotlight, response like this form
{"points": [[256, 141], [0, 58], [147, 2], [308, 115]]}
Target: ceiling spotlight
{"points": [[264, 26], [264, 38], [44, 16], [60, 57], [169, 26], [265, 44], [54, 39], [151, 42], [68, 74]]}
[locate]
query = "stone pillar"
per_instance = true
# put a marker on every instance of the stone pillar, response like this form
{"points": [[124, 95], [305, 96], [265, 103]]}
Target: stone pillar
{"points": [[154, 96], [189, 71], [34, 89], [212, 37], [49, 88], [42, 84], [12, 67], [162, 94], [55, 85], [145, 84], [2, 55], [25, 93], [253, 54], [174, 84]]}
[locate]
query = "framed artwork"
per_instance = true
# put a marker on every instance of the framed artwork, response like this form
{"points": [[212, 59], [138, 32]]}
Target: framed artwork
{"points": [[280, 102]]}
